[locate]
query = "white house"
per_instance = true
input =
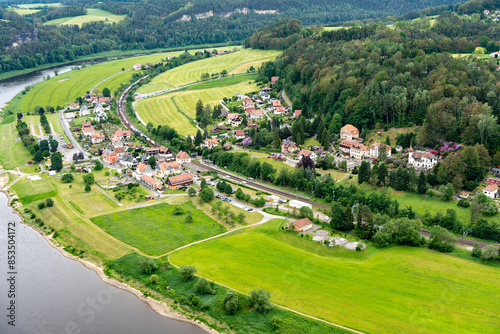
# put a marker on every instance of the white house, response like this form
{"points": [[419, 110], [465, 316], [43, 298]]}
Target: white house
{"points": [[491, 190], [142, 169], [421, 159], [348, 132], [137, 67], [210, 143], [84, 110], [128, 161], [182, 157], [307, 153], [165, 169], [374, 150]]}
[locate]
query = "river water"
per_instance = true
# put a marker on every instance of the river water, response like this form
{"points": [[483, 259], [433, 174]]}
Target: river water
{"points": [[56, 295]]}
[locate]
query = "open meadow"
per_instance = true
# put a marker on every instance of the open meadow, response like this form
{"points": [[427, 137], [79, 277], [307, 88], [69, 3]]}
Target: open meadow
{"points": [[23, 12], [36, 5], [93, 15], [237, 62], [164, 109], [158, 229], [12, 153], [394, 290]]}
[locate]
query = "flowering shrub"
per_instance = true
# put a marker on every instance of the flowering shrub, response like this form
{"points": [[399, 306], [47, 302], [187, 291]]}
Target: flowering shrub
{"points": [[246, 141]]}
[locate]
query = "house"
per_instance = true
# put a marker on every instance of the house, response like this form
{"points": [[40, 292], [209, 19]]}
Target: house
{"points": [[421, 159], [182, 157], [288, 146], [94, 99], [227, 146], [182, 180], [165, 169], [109, 156], [210, 143], [491, 190], [220, 53], [123, 134], [297, 113], [345, 147], [302, 224], [87, 129], [239, 134], [152, 151], [374, 150], [307, 153], [266, 90], [97, 137], [493, 180], [104, 100], [117, 142], [165, 152], [253, 113], [495, 54], [248, 103], [360, 151], [84, 110], [120, 151], [142, 169], [274, 79], [279, 111], [98, 108], [149, 182], [252, 125], [74, 106], [137, 67], [128, 161], [348, 132], [495, 171], [276, 103], [234, 119]]}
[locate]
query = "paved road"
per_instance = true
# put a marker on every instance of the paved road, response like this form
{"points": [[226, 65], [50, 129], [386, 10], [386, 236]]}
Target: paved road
{"points": [[92, 89], [69, 134]]}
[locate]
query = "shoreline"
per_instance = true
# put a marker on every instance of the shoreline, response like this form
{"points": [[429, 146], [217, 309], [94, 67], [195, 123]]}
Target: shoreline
{"points": [[161, 308]]}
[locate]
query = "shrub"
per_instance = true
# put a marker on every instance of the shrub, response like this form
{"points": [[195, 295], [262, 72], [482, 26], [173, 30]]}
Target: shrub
{"points": [[489, 252], [178, 210], [203, 286], [463, 203], [276, 323], [231, 302], [358, 247], [186, 272], [476, 251], [259, 299], [194, 300], [154, 279], [191, 192], [41, 205], [67, 178], [148, 266], [49, 202], [188, 219]]}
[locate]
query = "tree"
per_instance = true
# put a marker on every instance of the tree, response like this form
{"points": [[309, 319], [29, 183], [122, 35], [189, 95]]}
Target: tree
{"points": [[203, 184], [106, 92], [187, 272], [49, 202], [422, 183], [177, 210], [198, 139], [259, 299], [382, 174], [276, 139], [148, 266], [476, 251], [489, 252], [228, 189], [306, 162], [207, 195], [364, 172], [152, 162], [199, 109], [44, 145], [203, 286], [306, 212], [98, 165], [441, 239], [241, 218], [67, 178], [56, 162], [337, 216], [87, 188], [38, 156], [188, 219], [231, 302], [192, 192], [447, 192], [239, 194], [88, 178]]}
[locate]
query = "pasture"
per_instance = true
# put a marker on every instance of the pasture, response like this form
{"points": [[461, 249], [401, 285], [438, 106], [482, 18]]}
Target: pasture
{"points": [[31, 191], [93, 15], [394, 290], [164, 109], [37, 5], [156, 229], [23, 12], [65, 88], [12, 153], [237, 62]]}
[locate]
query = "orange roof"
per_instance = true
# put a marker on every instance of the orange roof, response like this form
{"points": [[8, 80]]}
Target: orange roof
{"points": [[297, 112], [387, 147], [240, 132], [305, 152], [179, 179], [350, 129], [301, 223], [141, 167], [276, 103], [182, 155], [491, 187], [122, 133], [97, 135], [150, 180], [211, 140]]}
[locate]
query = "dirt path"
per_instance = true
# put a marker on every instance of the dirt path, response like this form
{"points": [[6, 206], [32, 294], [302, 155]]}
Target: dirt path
{"points": [[40, 129], [33, 132], [107, 195]]}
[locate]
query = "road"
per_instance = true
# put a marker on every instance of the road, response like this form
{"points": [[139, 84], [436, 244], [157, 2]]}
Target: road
{"points": [[466, 242], [69, 134], [92, 89]]}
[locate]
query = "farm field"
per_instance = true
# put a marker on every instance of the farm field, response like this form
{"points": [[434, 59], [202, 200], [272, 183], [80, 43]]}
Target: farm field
{"points": [[14, 154], [237, 62], [30, 191], [164, 109], [23, 12], [93, 15], [395, 290], [65, 88], [156, 229], [36, 5]]}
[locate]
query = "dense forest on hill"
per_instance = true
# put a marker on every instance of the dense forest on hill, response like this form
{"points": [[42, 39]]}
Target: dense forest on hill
{"points": [[156, 24], [399, 76]]}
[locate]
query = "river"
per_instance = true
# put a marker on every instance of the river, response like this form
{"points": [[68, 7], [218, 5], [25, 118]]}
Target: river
{"points": [[56, 295]]}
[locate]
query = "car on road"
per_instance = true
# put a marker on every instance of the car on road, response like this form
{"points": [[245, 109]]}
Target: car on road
{"points": [[249, 209]]}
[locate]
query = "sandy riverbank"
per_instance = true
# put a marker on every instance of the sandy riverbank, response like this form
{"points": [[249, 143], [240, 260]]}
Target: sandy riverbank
{"points": [[160, 308]]}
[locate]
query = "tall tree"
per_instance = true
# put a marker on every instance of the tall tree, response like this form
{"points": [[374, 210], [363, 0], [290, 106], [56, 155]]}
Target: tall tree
{"points": [[422, 183]]}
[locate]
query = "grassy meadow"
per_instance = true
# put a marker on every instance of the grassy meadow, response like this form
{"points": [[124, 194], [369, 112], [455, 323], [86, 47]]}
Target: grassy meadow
{"points": [[23, 12], [93, 15], [12, 153], [237, 62], [36, 5], [164, 109], [156, 229], [395, 290]]}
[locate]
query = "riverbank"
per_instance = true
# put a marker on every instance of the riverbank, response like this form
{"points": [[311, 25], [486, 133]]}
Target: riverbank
{"points": [[105, 55], [159, 307]]}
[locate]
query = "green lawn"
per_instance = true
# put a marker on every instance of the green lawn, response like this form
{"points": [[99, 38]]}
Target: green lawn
{"points": [[31, 169], [164, 109], [31, 191], [23, 12], [156, 230], [237, 62], [311, 142], [93, 15], [12, 153], [395, 290]]}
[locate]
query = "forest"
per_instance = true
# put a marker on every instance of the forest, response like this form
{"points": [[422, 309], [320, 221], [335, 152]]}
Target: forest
{"points": [[155, 24]]}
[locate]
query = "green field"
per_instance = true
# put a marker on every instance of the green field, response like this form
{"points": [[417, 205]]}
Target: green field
{"points": [[395, 290], [31, 191], [93, 15], [65, 88], [12, 153], [163, 109], [23, 12], [237, 62], [36, 5], [156, 230]]}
